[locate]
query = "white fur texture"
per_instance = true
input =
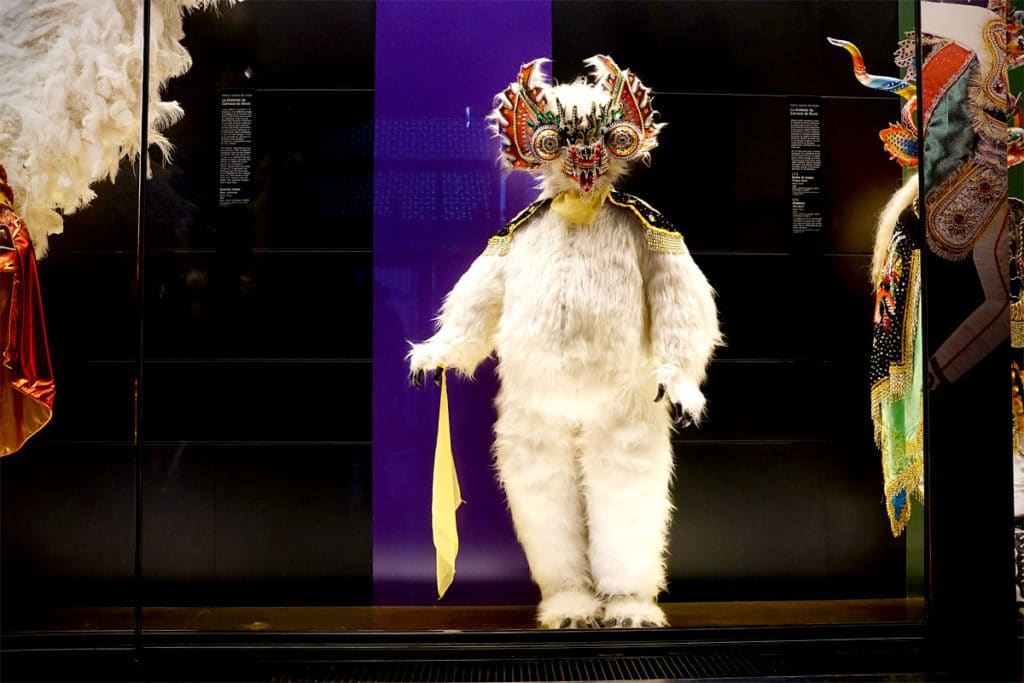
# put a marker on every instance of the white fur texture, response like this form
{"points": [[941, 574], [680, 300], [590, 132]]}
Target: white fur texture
{"points": [[887, 219], [586, 322], [71, 101]]}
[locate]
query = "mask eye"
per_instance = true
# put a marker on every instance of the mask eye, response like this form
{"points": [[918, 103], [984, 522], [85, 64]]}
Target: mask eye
{"points": [[623, 141], [546, 143]]}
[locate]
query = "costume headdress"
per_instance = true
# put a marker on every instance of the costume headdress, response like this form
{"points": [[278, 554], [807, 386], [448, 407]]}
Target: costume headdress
{"points": [[899, 139]]}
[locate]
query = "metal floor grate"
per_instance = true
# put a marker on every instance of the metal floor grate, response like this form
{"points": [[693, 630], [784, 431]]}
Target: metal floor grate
{"points": [[664, 667]]}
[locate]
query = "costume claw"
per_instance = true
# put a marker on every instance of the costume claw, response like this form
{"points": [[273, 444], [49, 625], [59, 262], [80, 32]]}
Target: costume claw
{"points": [[628, 622], [416, 378], [679, 418], [569, 623], [438, 373], [569, 609], [631, 612]]}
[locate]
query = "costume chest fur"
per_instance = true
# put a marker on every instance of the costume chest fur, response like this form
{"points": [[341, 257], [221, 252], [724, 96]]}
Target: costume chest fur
{"points": [[574, 302]]}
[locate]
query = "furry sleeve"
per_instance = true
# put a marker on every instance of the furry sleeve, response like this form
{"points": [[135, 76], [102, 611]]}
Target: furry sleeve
{"points": [[467, 321], [684, 325]]}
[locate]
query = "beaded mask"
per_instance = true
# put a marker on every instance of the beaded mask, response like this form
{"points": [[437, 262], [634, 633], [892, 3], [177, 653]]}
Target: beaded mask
{"points": [[579, 135]]}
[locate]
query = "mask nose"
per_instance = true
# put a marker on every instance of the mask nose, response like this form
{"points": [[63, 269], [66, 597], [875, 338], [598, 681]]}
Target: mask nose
{"points": [[586, 152]]}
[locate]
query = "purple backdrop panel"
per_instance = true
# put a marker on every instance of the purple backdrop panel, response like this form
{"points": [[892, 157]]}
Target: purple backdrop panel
{"points": [[438, 196]]}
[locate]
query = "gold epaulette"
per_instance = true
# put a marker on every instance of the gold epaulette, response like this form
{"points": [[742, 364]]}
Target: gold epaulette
{"points": [[662, 236], [500, 243]]}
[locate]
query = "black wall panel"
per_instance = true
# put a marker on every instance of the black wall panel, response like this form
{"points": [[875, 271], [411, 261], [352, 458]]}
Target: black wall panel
{"points": [[227, 524], [760, 520], [256, 375], [290, 44], [68, 534], [268, 304], [743, 47]]}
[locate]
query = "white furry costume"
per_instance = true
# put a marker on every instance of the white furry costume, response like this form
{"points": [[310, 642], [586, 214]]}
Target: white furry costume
{"points": [[592, 325], [70, 99]]}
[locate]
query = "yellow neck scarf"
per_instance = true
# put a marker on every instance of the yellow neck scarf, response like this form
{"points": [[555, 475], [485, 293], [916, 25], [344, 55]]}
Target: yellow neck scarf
{"points": [[572, 208]]}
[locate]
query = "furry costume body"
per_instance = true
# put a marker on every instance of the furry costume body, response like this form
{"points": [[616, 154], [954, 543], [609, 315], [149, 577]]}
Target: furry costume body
{"points": [[587, 322]]}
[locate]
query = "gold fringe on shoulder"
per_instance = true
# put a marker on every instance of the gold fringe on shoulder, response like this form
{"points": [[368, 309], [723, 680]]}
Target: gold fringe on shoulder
{"points": [[498, 246], [665, 242]]}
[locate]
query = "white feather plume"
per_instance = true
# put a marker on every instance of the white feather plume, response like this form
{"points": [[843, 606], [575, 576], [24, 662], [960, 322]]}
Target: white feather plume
{"points": [[70, 101]]}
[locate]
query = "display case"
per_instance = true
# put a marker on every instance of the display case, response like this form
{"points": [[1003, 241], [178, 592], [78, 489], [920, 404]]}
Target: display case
{"points": [[238, 468]]}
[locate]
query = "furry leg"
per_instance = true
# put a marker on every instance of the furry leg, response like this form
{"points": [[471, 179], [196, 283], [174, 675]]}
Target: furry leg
{"points": [[536, 458], [627, 469]]}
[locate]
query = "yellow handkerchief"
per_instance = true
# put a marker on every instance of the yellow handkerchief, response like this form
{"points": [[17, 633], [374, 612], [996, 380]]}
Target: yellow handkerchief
{"points": [[446, 499], [572, 208]]}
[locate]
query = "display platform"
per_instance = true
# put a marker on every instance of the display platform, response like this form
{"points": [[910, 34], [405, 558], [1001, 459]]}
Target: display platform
{"points": [[722, 640], [453, 619], [829, 640]]}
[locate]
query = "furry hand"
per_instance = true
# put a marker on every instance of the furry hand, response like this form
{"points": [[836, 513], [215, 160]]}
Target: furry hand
{"points": [[424, 357], [675, 410], [416, 377], [686, 402]]}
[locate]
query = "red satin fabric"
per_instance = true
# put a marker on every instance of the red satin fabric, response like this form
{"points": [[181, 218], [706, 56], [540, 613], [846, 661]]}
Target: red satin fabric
{"points": [[26, 376]]}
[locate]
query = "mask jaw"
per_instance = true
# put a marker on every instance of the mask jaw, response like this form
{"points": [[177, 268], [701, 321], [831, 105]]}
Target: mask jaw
{"points": [[585, 165]]}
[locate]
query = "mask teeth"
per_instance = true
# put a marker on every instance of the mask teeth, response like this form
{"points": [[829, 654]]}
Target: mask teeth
{"points": [[587, 179]]}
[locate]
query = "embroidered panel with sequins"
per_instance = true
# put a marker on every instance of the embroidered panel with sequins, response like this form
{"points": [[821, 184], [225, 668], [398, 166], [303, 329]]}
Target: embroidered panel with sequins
{"points": [[1016, 225]]}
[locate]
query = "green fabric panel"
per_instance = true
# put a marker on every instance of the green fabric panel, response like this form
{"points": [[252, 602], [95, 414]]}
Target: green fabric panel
{"points": [[949, 137], [902, 417]]}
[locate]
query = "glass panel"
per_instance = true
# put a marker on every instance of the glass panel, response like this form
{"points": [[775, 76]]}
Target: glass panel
{"points": [[332, 177], [230, 278]]}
